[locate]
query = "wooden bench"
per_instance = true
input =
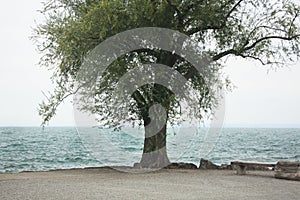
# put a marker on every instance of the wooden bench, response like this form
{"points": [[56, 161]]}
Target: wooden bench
{"points": [[288, 170], [241, 167]]}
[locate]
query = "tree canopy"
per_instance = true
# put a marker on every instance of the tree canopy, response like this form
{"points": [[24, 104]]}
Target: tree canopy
{"points": [[261, 30]]}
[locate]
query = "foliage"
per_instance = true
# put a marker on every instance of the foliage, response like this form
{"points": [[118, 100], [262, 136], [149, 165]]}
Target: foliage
{"points": [[261, 30]]}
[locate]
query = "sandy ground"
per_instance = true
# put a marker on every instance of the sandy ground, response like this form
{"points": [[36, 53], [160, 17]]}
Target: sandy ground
{"points": [[103, 183]]}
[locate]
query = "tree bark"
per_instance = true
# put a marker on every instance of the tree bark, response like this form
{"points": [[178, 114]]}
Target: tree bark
{"points": [[155, 150]]}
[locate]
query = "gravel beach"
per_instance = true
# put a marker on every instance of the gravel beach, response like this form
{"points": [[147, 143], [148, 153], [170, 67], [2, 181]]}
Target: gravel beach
{"points": [[106, 183]]}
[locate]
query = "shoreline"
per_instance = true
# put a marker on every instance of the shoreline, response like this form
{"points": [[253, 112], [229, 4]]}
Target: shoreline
{"points": [[107, 183]]}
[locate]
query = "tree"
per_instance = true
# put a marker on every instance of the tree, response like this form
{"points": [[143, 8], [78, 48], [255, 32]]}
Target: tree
{"points": [[261, 30]]}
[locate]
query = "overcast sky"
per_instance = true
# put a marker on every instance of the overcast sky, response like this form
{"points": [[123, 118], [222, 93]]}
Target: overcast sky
{"points": [[260, 98]]}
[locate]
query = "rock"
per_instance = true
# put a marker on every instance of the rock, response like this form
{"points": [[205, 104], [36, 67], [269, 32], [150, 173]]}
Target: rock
{"points": [[225, 167], [137, 165], [181, 165], [206, 164]]}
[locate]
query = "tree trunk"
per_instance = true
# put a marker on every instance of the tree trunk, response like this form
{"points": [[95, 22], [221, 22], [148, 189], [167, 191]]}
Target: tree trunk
{"points": [[155, 150]]}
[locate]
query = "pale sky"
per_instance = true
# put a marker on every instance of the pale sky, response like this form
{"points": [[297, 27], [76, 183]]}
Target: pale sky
{"points": [[260, 98]]}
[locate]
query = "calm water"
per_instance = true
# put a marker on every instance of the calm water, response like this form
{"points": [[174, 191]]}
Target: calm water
{"points": [[34, 149]]}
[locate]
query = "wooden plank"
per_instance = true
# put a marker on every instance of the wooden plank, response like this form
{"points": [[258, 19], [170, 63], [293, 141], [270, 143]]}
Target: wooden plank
{"points": [[241, 167], [266, 164], [288, 163]]}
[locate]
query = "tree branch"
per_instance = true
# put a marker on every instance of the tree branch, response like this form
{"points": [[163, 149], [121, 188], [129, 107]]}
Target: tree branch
{"points": [[239, 53], [261, 61], [268, 38], [255, 58], [233, 8], [180, 16], [294, 19], [173, 6], [208, 27], [139, 99], [223, 54]]}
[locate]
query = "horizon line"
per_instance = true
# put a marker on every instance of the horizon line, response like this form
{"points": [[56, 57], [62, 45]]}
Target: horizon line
{"points": [[224, 126]]}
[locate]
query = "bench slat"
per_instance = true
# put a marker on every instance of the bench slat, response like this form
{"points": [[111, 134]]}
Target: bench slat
{"points": [[253, 164], [242, 166]]}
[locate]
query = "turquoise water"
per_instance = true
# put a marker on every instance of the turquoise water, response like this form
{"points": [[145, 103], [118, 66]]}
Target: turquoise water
{"points": [[35, 149]]}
